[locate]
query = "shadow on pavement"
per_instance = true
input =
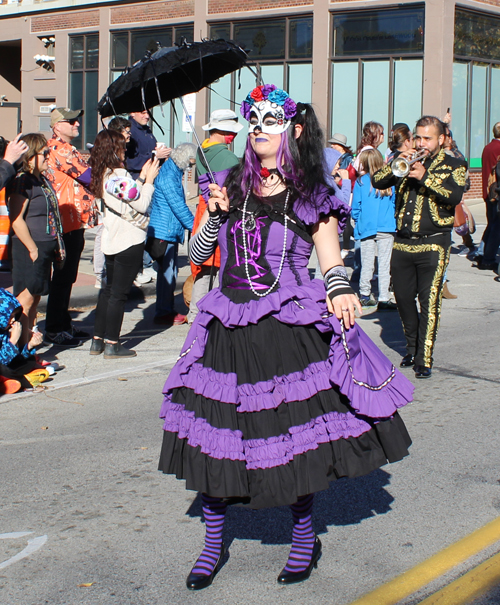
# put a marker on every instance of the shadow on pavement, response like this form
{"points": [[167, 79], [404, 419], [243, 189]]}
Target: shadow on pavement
{"points": [[346, 502]]}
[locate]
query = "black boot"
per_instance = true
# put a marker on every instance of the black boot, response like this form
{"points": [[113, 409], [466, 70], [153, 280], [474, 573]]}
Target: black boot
{"points": [[97, 346], [117, 351]]}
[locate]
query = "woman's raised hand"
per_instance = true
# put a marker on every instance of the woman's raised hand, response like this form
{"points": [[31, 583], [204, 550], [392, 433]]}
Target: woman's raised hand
{"points": [[152, 171], [144, 170], [218, 200]]}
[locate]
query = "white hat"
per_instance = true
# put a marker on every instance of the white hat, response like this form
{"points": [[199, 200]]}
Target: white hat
{"points": [[223, 119]]}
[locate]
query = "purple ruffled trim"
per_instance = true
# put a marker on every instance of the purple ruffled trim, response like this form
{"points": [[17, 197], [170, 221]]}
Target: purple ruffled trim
{"points": [[224, 444], [370, 366], [216, 443], [304, 306], [325, 204], [265, 395]]}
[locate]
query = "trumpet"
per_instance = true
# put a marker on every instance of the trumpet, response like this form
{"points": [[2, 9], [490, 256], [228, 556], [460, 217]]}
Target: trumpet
{"points": [[402, 166]]}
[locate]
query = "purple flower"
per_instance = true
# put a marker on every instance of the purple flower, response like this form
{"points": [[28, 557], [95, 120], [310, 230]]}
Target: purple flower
{"points": [[278, 96], [245, 109], [267, 89], [290, 108]]}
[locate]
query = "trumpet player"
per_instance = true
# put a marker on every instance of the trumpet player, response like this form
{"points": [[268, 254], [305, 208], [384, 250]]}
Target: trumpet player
{"points": [[425, 205]]}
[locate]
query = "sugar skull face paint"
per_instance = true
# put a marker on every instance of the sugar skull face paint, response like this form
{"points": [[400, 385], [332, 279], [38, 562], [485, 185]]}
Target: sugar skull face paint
{"points": [[268, 117], [268, 109]]}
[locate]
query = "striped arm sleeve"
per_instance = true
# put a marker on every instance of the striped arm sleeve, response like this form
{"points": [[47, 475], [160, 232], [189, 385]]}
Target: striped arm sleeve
{"points": [[337, 282], [204, 243]]}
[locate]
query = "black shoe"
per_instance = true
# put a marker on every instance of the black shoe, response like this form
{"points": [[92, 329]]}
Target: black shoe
{"points": [[78, 333], [197, 581], [97, 346], [407, 362], [387, 305], [291, 577], [62, 339], [422, 372], [487, 266], [117, 351]]}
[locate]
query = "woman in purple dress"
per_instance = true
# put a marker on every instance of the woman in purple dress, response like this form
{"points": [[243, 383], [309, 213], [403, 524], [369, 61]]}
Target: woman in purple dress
{"points": [[277, 392]]}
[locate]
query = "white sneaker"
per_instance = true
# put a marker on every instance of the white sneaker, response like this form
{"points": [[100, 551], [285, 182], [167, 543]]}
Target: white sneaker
{"points": [[464, 252], [141, 279], [100, 282], [149, 272]]}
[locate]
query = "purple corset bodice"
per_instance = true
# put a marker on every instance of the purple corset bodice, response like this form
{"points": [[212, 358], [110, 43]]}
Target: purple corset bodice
{"points": [[264, 251]]}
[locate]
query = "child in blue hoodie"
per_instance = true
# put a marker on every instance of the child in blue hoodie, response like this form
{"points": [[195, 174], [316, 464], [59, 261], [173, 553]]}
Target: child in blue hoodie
{"points": [[15, 362], [374, 214]]}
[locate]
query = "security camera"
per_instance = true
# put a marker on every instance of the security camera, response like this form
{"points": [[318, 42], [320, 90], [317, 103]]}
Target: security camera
{"points": [[45, 61]]}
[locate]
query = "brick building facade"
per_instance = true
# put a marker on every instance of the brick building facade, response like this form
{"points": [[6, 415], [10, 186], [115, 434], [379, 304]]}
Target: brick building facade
{"points": [[355, 61]]}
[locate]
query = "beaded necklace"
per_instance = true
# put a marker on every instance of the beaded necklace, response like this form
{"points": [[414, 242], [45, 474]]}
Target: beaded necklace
{"points": [[248, 224]]}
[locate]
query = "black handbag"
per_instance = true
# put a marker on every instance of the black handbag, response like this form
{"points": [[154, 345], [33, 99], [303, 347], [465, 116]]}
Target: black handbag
{"points": [[156, 247]]}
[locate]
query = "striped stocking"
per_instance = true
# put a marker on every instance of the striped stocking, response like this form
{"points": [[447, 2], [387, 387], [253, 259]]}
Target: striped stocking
{"points": [[214, 511], [303, 535]]}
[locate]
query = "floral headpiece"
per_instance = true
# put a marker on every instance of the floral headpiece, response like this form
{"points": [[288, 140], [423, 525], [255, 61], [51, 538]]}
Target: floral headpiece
{"points": [[270, 104]]}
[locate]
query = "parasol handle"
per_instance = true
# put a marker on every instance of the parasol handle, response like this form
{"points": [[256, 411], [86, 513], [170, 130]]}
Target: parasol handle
{"points": [[204, 157]]}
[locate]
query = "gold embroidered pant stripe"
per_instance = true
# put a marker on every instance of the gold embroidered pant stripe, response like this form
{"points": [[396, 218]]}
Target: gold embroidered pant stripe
{"points": [[417, 268]]}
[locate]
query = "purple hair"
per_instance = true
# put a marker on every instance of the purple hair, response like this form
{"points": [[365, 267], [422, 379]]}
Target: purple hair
{"points": [[285, 164]]}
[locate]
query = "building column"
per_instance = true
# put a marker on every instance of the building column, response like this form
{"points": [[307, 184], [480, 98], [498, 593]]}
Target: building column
{"points": [[438, 59], [104, 50], [200, 32], [321, 61]]}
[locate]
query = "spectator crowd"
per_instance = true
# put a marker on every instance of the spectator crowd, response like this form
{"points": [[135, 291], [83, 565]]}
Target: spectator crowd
{"points": [[130, 191]]}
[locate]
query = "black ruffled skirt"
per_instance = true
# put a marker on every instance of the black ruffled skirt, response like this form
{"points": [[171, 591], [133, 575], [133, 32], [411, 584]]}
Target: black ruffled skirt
{"points": [[257, 419]]}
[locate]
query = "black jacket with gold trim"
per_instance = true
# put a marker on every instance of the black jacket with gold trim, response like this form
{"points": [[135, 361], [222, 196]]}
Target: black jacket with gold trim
{"points": [[426, 206]]}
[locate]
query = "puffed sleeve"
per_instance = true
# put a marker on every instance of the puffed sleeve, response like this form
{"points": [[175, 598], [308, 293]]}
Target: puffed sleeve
{"points": [[321, 204]]}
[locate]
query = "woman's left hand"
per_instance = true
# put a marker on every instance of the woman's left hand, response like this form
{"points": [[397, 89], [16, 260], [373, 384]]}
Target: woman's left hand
{"points": [[343, 307]]}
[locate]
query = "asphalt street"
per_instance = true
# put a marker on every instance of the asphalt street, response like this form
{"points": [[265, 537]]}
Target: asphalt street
{"points": [[79, 464]]}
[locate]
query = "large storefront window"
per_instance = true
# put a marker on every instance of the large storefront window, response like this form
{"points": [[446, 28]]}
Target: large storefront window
{"points": [[476, 82], [129, 47], [377, 69], [389, 32], [280, 51], [83, 84]]}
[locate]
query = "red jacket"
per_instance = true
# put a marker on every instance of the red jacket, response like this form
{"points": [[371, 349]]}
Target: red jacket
{"points": [[489, 159]]}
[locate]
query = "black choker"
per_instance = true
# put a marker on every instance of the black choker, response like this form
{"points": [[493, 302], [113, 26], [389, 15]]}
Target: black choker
{"points": [[265, 173]]}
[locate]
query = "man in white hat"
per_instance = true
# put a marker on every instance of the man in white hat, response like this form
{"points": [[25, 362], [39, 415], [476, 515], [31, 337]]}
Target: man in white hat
{"points": [[222, 128]]}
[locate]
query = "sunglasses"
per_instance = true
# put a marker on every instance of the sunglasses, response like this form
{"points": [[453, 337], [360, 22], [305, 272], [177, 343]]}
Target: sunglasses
{"points": [[45, 153], [72, 122]]}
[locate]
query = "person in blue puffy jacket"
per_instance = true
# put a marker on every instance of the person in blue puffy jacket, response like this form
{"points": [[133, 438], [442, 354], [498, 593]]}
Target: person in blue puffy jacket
{"points": [[170, 218], [373, 211]]}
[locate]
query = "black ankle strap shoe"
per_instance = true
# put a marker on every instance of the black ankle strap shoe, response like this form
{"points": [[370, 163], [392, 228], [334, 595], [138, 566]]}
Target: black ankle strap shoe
{"points": [[291, 577], [198, 581]]}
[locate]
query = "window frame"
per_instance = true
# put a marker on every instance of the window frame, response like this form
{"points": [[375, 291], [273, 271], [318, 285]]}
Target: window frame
{"points": [[470, 61], [173, 124], [256, 65], [83, 135], [364, 58]]}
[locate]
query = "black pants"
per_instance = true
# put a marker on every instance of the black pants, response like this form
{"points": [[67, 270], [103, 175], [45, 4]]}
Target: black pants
{"points": [[18, 367], [417, 268], [121, 270], [58, 317], [491, 235]]}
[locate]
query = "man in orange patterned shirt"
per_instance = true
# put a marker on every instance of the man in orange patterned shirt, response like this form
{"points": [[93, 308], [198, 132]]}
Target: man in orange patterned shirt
{"points": [[69, 174]]}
